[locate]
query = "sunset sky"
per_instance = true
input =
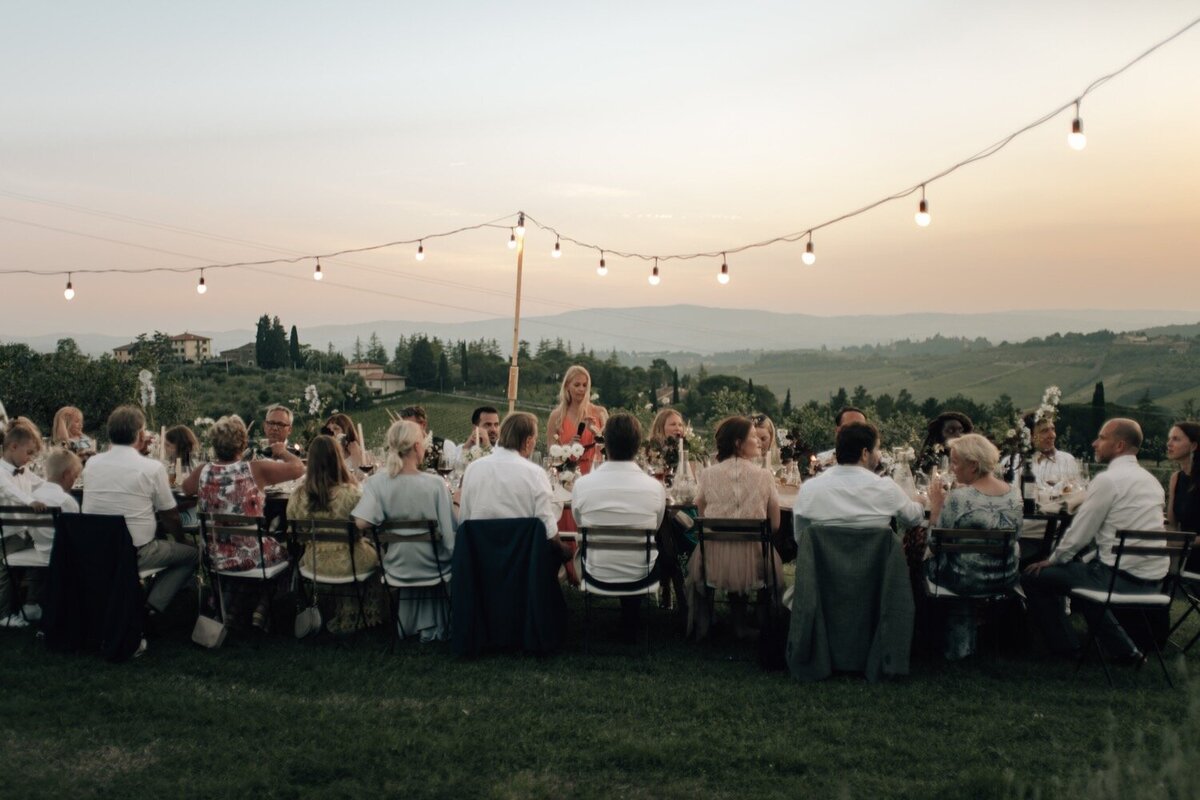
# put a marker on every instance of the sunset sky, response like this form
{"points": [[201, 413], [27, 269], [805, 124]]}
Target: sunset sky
{"points": [[276, 128]]}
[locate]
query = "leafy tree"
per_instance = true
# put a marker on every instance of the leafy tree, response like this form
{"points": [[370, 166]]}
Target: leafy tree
{"points": [[422, 368], [464, 361], [786, 410], [443, 372], [375, 352], [262, 339], [675, 387], [357, 354], [294, 349]]}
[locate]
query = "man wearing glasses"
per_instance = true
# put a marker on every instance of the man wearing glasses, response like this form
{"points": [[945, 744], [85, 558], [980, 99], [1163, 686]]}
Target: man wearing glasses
{"points": [[278, 427]]}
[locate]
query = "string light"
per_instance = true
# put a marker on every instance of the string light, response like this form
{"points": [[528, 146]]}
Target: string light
{"points": [[602, 270], [520, 231], [317, 274], [512, 239], [922, 215], [1075, 138], [201, 287], [69, 292], [808, 256], [557, 249], [420, 256], [723, 275], [654, 279]]}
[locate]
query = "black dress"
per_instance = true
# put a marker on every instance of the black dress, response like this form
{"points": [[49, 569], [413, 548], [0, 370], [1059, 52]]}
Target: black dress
{"points": [[1187, 512]]}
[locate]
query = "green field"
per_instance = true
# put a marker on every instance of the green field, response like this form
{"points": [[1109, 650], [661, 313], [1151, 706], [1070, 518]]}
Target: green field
{"points": [[273, 717], [449, 416]]}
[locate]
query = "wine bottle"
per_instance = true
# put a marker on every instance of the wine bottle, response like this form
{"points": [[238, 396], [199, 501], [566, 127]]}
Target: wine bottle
{"points": [[1028, 486]]}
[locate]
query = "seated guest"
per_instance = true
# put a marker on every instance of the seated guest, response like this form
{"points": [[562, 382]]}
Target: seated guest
{"points": [[768, 444], [278, 427], [437, 445], [484, 420], [181, 451], [62, 469], [123, 481], [1123, 497], [851, 494], [981, 501], [232, 485], [405, 492], [1050, 465], [736, 487], [618, 493], [941, 429], [343, 431], [67, 431], [844, 416], [21, 442], [667, 428], [1183, 506], [507, 485], [331, 493]]}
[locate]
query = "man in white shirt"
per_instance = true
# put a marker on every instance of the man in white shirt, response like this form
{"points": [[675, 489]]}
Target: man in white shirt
{"points": [[22, 441], [1050, 466], [507, 485], [485, 420], [845, 416], [1123, 497], [121, 481], [619, 493], [851, 494]]}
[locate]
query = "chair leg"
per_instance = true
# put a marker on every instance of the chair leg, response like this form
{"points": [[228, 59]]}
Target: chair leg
{"points": [[1157, 650], [587, 622]]}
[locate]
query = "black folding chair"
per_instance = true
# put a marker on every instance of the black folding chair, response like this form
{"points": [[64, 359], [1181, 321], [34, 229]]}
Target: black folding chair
{"points": [[434, 586], [739, 531], [618, 539], [15, 521], [1174, 546], [215, 526], [997, 543], [344, 532]]}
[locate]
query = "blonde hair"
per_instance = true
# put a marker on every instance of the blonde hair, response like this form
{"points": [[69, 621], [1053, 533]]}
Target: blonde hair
{"points": [[564, 395], [59, 461], [763, 421], [59, 428], [21, 430], [229, 437], [402, 437], [658, 428], [977, 450]]}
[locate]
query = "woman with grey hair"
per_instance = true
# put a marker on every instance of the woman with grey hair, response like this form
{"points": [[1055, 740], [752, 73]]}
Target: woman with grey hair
{"points": [[981, 501]]}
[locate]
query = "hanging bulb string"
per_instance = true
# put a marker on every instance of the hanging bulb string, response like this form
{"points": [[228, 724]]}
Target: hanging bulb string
{"points": [[500, 222]]}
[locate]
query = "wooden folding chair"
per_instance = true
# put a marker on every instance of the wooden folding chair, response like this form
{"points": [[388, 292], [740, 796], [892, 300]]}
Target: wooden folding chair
{"points": [[742, 531], [213, 526], [16, 521], [1176, 547], [313, 531], [1000, 543], [412, 533], [617, 539]]}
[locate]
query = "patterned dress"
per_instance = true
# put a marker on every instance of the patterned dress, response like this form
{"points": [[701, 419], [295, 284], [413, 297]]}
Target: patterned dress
{"points": [[231, 489], [974, 573]]}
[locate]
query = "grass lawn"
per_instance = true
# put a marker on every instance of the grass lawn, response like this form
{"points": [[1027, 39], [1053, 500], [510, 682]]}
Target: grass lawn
{"points": [[449, 416], [274, 717]]}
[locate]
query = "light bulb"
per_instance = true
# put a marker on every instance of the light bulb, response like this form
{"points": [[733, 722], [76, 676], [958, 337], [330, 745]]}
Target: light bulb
{"points": [[809, 257], [69, 292], [922, 215], [1075, 138], [723, 275], [420, 256], [557, 250], [520, 231], [654, 279], [602, 270], [317, 274], [201, 288], [512, 240]]}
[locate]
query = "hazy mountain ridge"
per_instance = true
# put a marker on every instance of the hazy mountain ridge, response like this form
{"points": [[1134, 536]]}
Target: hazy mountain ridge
{"points": [[695, 331]]}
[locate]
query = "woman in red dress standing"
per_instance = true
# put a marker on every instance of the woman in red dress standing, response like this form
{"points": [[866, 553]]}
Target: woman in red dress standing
{"points": [[576, 418]]}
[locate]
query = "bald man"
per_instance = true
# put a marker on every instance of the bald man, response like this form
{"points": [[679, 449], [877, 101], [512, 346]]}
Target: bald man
{"points": [[1123, 497]]}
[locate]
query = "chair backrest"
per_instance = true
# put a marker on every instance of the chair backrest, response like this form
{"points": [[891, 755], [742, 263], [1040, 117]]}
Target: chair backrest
{"points": [[341, 531], [616, 537], [713, 529], [996, 542], [1171, 544], [392, 531], [17, 519], [231, 523]]}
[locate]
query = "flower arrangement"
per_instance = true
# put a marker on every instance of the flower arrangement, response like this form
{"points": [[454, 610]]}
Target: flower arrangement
{"points": [[566, 456], [149, 396], [313, 399]]}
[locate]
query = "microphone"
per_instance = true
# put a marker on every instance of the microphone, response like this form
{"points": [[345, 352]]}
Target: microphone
{"points": [[582, 428]]}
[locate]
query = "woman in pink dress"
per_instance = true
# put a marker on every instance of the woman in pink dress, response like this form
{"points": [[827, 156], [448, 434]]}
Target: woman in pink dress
{"points": [[736, 487]]}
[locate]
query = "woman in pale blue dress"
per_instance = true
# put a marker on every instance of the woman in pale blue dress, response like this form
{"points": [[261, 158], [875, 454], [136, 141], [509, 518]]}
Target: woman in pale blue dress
{"points": [[982, 502], [404, 492]]}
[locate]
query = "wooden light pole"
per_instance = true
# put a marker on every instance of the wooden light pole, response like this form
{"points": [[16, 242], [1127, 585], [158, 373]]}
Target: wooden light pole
{"points": [[514, 370]]}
